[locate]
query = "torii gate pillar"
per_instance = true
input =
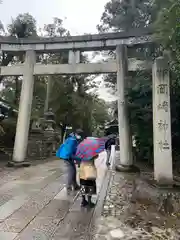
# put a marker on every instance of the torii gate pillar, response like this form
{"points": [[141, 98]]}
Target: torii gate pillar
{"points": [[125, 139], [22, 128]]}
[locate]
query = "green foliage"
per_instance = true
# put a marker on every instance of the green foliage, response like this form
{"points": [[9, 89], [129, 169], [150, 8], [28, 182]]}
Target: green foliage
{"points": [[56, 28], [126, 14], [74, 106], [23, 26], [168, 25], [139, 95]]}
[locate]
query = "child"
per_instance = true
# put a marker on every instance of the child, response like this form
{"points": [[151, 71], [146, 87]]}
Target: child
{"points": [[87, 175]]}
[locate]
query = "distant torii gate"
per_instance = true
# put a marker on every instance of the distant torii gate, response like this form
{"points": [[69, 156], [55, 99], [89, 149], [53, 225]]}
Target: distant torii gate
{"points": [[111, 41]]}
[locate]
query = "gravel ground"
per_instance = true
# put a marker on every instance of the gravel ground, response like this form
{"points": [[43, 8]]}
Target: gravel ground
{"points": [[134, 211]]}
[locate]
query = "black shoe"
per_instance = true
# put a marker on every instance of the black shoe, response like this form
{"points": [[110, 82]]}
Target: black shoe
{"points": [[84, 203], [91, 204]]}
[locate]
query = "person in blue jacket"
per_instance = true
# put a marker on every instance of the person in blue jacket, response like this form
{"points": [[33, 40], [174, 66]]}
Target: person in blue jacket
{"points": [[66, 152]]}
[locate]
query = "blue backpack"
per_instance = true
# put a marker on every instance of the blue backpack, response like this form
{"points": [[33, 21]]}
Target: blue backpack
{"points": [[68, 148]]}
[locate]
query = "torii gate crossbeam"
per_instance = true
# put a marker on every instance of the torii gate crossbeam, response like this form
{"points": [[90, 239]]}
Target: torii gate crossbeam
{"points": [[83, 43]]}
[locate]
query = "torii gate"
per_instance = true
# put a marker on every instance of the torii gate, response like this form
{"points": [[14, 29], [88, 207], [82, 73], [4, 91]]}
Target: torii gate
{"points": [[111, 41]]}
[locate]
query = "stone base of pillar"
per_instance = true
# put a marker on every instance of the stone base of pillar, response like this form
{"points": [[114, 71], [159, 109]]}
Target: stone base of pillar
{"points": [[163, 184], [18, 164], [127, 169]]}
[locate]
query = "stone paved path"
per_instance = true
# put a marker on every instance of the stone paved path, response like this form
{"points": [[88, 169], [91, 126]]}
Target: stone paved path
{"points": [[34, 204]]}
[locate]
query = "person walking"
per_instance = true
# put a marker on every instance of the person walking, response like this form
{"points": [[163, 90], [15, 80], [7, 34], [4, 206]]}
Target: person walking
{"points": [[66, 152], [111, 141], [87, 152], [87, 175]]}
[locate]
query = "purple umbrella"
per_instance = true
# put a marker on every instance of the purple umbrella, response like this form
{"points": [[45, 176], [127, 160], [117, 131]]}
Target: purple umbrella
{"points": [[90, 148]]}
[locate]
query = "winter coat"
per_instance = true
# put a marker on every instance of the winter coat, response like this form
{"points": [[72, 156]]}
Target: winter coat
{"points": [[68, 149]]}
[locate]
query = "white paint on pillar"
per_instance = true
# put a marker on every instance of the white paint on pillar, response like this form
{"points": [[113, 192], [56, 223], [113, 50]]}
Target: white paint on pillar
{"points": [[22, 128], [163, 172], [124, 130]]}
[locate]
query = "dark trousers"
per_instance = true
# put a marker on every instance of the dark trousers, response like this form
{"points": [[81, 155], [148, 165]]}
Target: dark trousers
{"points": [[71, 173]]}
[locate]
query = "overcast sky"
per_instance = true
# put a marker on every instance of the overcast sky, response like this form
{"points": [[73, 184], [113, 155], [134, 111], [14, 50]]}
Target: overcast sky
{"points": [[80, 16]]}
